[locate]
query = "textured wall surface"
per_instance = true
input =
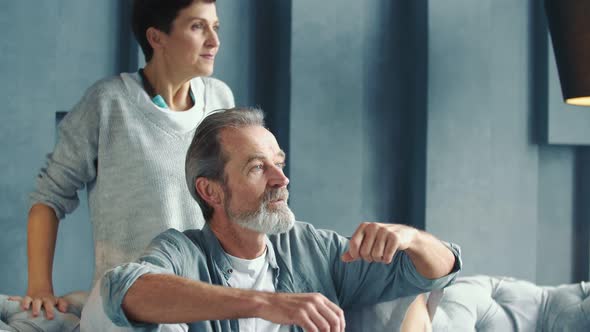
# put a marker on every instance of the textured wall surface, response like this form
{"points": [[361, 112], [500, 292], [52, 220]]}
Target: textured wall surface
{"points": [[353, 96], [50, 53], [490, 186], [417, 112], [327, 112], [482, 168]]}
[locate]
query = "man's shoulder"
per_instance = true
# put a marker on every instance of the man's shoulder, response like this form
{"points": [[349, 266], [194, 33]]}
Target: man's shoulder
{"points": [[177, 237], [195, 236], [184, 247], [305, 232], [307, 245], [302, 228], [308, 229]]}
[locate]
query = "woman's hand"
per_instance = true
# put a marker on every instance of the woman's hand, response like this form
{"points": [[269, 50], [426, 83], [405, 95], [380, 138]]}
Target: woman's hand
{"points": [[39, 300], [41, 237]]}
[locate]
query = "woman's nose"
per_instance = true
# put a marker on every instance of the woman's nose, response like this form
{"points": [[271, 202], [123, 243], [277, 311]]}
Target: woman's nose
{"points": [[213, 39]]}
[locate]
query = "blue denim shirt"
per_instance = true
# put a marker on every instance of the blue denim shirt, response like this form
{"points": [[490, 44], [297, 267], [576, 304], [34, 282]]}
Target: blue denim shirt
{"points": [[304, 259]]}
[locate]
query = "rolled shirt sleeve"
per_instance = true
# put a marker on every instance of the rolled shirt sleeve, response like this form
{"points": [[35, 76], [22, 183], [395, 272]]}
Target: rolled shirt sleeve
{"points": [[362, 283], [168, 253]]}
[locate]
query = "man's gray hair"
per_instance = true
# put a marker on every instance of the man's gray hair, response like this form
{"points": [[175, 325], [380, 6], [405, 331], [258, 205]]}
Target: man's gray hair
{"points": [[205, 156]]}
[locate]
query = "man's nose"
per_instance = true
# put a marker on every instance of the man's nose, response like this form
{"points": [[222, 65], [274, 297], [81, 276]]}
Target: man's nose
{"points": [[278, 179]]}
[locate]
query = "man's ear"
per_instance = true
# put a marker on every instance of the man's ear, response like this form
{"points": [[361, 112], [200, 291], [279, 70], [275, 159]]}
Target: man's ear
{"points": [[209, 190], [155, 38]]}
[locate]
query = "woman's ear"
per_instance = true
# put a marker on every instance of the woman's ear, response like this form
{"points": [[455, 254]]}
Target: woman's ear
{"points": [[209, 190], [155, 38]]}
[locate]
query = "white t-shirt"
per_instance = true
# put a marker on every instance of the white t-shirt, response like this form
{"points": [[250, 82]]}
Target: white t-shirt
{"points": [[254, 274]]}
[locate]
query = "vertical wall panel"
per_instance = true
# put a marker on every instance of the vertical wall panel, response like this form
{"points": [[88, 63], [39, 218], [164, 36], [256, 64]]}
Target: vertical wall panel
{"points": [[481, 164], [409, 111], [580, 243], [272, 44], [235, 62], [358, 75], [326, 112], [555, 248], [394, 89], [52, 52]]}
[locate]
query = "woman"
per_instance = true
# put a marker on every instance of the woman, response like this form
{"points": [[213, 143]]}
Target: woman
{"points": [[126, 141]]}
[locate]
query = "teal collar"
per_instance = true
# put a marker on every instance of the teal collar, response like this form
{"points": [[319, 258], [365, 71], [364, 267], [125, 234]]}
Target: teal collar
{"points": [[157, 99]]}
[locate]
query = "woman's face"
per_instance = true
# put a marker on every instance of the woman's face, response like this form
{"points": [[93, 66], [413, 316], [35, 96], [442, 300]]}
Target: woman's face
{"points": [[192, 43]]}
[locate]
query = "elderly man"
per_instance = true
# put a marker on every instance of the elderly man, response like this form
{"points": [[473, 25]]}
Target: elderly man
{"points": [[253, 267]]}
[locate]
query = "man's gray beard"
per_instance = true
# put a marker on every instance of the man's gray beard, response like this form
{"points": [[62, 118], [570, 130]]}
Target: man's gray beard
{"points": [[263, 220]]}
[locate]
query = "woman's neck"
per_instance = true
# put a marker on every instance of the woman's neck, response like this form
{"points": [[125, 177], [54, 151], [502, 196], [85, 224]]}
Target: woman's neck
{"points": [[173, 87]]}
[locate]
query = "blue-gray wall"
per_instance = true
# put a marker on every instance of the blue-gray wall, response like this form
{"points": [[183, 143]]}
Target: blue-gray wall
{"points": [[51, 52], [419, 112], [514, 204], [429, 113], [357, 71], [482, 164]]}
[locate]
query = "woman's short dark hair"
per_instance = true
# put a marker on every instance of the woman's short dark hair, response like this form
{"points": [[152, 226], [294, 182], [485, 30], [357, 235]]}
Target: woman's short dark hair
{"points": [[158, 14], [205, 156]]}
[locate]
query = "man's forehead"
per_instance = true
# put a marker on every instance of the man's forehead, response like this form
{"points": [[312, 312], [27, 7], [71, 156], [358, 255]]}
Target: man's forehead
{"points": [[249, 140]]}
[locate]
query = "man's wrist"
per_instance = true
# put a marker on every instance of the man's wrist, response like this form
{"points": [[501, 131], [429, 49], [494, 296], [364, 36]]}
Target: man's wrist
{"points": [[416, 244], [257, 303]]}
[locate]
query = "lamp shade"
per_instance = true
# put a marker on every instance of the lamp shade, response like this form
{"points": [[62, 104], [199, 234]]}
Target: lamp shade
{"points": [[569, 26]]}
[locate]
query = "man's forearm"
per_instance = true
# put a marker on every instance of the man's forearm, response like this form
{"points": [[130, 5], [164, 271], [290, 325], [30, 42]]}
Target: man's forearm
{"points": [[162, 298], [158, 298], [430, 256]]}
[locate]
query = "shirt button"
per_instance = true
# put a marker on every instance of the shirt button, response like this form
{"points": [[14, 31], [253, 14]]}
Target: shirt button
{"points": [[230, 271]]}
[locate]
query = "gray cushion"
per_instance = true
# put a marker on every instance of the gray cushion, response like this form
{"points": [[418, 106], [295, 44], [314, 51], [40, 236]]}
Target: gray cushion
{"points": [[483, 303]]}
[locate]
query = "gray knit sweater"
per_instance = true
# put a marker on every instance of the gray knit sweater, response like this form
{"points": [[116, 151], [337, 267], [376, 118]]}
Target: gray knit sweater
{"points": [[130, 156]]}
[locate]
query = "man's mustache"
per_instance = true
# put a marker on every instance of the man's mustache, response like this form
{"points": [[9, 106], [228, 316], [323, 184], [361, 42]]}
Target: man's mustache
{"points": [[275, 195]]}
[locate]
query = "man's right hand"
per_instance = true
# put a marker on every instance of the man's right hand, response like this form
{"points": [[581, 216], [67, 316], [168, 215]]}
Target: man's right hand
{"points": [[39, 300], [310, 311]]}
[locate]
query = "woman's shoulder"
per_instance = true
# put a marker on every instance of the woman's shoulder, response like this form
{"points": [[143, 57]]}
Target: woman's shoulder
{"points": [[111, 85], [215, 83], [115, 85], [97, 99], [218, 93]]}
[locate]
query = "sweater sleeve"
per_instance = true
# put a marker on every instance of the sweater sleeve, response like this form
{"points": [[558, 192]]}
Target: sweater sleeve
{"points": [[73, 162]]}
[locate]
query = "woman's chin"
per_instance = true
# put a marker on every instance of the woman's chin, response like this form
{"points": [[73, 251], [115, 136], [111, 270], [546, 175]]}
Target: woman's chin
{"points": [[203, 71]]}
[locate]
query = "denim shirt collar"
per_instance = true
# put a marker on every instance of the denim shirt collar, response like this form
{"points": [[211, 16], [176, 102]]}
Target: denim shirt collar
{"points": [[219, 255]]}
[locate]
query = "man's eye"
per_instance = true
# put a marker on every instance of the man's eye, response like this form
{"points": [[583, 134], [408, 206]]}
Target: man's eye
{"points": [[197, 26], [216, 28], [257, 168], [281, 165]]}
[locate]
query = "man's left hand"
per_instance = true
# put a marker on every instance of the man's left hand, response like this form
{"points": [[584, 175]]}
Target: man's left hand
{"points": [[377, 242]]}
